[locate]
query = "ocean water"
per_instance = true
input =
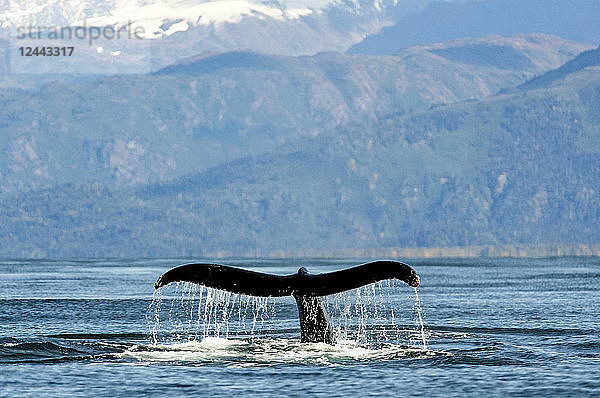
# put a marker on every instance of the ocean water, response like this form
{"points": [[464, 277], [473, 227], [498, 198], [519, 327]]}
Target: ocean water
{"points": [[478, 327]]}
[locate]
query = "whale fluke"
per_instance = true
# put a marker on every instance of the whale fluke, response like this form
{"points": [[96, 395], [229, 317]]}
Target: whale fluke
{"points": [[306, 288]]}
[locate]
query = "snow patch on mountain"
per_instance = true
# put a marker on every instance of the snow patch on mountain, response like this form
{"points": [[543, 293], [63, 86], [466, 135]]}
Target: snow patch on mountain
{"points": [[152, 17]]}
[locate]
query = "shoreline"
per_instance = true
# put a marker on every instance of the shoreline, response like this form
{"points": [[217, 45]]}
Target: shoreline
{"points": [[476, 251]]}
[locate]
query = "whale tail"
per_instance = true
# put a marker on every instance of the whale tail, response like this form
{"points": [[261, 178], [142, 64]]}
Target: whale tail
{"points": [[307, 289]]}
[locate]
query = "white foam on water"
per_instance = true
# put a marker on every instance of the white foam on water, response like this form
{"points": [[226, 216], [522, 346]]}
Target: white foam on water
{"points": [[266, 352]]}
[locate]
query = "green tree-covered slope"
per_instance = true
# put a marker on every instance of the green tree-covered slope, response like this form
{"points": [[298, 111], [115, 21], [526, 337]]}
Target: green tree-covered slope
{"points": [[520, 167]]}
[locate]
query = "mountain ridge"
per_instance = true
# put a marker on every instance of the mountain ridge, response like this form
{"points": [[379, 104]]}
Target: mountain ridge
{"points": [[510, 169], [589, 58], [162, 32], [128, 130]]}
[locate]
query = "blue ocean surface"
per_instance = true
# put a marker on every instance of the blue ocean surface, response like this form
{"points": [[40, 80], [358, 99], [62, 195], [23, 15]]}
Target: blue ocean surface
{"points": [[477, 327]]}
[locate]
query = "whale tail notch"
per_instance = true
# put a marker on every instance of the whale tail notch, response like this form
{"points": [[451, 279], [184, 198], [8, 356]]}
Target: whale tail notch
{"points": [[307, 289]]}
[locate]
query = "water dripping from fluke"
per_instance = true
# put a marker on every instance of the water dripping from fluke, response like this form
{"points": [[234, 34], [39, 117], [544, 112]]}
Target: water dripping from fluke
{"points": [[216, 301], [196, 313], [153, 316], [419, 310]]}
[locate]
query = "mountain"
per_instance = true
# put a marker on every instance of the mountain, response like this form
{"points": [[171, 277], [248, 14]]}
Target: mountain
{"points": [[443, 21], [166, 17], [587, 59], [131, 37], [129, 130], [515, 168]]}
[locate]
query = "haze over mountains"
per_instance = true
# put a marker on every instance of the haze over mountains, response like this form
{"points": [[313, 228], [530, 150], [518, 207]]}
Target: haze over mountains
{"points": [[476, 141], [448, 20]]}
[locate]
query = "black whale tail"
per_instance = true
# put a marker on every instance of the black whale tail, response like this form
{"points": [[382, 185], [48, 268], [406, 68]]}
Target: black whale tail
{"points": [[306, 288]]}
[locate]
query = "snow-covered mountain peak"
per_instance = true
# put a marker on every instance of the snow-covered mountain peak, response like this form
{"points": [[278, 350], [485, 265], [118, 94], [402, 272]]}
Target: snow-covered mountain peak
{"points": [[153, 16], [149, 14], [190, 27]]}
